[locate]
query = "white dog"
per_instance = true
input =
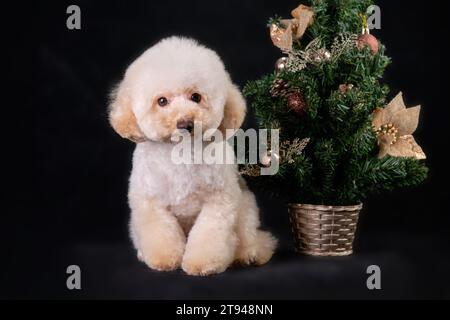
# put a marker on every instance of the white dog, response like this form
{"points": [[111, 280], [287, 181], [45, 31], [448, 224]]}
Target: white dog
{"points": [[199, 217]]}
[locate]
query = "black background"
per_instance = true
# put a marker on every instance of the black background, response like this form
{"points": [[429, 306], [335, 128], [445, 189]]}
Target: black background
{"points": [[66, 171]]}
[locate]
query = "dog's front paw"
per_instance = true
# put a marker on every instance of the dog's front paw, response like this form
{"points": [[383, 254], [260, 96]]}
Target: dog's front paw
{"points": [[162, 260], [208, 258], [162, 256], [203, 266]]}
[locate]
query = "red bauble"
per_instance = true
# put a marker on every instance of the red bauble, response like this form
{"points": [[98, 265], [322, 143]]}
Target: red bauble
{"points": [[297, 103], [368, 40]]}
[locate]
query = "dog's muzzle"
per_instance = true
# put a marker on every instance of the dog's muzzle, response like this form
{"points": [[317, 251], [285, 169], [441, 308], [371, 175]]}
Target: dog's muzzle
{"points": [[185, 125]]}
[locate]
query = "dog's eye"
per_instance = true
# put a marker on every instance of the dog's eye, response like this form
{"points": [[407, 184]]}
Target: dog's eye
{"points": [[162, 102], [196, 97]]}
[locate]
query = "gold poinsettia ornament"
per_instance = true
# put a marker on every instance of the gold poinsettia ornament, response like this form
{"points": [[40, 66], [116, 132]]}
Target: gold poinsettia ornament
{"points": [[394, 126], [287, 30]]}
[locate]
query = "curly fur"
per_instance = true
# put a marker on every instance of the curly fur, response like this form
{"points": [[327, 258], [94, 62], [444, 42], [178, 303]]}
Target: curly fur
{"points": [[199, 217]]}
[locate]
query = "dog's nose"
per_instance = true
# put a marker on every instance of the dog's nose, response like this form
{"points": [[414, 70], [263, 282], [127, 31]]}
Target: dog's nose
{"points": [[185, 124]]}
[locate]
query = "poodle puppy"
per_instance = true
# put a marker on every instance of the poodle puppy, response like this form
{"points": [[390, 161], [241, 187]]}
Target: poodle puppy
{"points": [[200, 217]]}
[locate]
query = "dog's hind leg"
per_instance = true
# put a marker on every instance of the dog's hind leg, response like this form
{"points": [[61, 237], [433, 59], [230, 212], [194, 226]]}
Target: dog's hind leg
{"points": [[255, 246]]}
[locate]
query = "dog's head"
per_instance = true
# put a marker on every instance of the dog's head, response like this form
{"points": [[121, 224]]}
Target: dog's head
{"points": [[171, 86]]}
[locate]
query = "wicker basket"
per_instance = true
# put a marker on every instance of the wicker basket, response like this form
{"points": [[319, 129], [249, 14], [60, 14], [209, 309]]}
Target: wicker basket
{"points": [[324, 230]]}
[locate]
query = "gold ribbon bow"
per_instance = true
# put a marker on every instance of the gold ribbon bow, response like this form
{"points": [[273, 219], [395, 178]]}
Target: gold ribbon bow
{"points": [[283, 34]]}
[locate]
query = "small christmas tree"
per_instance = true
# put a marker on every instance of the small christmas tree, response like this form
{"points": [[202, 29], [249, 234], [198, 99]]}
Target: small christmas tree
{"points": [[327, 93]]}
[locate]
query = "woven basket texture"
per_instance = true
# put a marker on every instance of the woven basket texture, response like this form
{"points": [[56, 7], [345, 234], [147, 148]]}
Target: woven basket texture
{"points": [[324, 230]]}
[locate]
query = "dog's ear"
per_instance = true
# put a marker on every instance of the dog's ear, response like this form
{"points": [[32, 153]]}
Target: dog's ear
{"points": [[121, 115], [234, 110]]}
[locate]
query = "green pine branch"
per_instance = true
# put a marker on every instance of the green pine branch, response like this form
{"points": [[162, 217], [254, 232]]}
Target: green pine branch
{"points": [[340, 164]]}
